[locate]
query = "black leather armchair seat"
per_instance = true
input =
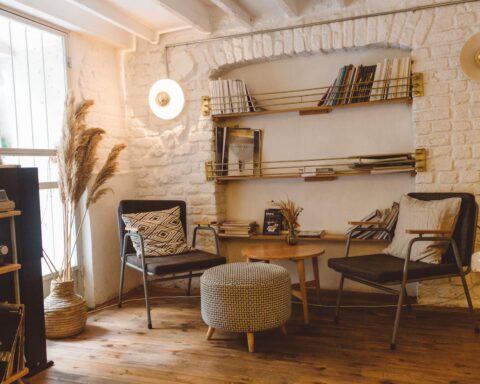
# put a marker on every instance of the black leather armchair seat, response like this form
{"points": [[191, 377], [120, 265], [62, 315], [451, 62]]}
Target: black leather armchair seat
{"points": [[185, 262], [386, 269]]}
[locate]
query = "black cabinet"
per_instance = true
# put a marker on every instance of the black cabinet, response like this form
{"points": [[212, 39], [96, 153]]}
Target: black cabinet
{"points": [[21, 185]]}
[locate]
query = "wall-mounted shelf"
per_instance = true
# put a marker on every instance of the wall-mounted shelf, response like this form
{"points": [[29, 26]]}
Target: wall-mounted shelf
{"points": [[310, 110], [320, 169], [328, 236]]}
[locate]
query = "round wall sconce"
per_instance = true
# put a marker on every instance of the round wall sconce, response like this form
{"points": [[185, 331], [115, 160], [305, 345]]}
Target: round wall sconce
{"points": [[470, 57], [166, 99]]}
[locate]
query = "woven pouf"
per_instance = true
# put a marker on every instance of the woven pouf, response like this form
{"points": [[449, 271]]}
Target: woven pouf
{"points": [[245, 297]]}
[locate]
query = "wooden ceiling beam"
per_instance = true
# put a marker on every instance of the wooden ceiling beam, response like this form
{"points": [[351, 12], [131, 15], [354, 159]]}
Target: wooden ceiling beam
{"points": [[192, 12], [117, 17], [231, 8], [289, 7]]}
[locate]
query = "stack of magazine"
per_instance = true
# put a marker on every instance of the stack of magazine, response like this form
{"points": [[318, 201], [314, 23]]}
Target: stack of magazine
{"points": [[237, 151], [387, 217], [230, 96], [402, 162], [388, 79], [238, 228]]}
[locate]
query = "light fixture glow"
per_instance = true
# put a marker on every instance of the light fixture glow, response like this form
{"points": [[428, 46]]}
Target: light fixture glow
{"points": [[166, 99], [470, 57]]}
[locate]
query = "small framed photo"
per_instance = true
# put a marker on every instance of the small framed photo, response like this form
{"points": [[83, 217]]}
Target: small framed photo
{"points": [[272, 222]]}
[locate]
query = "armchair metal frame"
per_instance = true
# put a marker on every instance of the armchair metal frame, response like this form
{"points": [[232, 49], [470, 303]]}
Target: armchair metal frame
{"points": [[402, 292], [132, 233]]}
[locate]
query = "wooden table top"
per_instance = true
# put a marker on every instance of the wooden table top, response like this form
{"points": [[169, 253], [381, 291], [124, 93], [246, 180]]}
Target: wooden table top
{"points": [[282, 251]]}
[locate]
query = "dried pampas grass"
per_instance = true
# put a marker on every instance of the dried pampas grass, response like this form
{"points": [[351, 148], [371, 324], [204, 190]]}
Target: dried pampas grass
{"points": [[77, 157]]}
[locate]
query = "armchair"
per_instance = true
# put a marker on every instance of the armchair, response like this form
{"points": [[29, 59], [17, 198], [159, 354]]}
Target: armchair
{"points": [[182, 266], [382, 270]]}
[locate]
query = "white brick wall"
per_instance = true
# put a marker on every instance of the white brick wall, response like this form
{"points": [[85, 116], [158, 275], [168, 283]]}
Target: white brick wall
{"points": [[168, 157]]}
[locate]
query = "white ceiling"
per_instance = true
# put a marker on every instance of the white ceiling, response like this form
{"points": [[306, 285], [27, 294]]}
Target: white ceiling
{"points": [[119, 21]]}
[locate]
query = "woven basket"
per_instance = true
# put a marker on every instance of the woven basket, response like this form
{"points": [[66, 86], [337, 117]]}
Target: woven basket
{"points": [[65, 311]]}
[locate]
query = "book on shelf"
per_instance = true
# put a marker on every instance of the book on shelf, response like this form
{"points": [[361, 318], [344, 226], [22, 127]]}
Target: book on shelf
{"points": [[310, 233], [230, 96], [237, 151], [387, 217], [237, 228], [388, 79]]}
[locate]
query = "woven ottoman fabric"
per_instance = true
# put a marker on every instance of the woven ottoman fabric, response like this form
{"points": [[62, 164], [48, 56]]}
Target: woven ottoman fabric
{"points": [[245, 297]]}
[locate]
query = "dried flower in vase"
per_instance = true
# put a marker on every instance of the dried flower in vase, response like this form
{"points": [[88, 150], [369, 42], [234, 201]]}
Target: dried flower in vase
{"points": [[290, 212]]}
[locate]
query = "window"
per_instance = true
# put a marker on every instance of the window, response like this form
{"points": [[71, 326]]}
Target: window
{"points": [[33, 88]]}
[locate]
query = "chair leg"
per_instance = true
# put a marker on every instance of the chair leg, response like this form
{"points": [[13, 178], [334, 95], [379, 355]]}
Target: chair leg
{"points": [[407, 299], [465, 286], [251, 342], [122, 277], [401, 297], [469, 301], [189, 283], [209, 333], [339, 297], [147, 303]]}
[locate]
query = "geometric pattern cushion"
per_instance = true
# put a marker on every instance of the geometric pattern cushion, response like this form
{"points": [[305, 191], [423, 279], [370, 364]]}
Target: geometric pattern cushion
{"points": [[162, 232]]}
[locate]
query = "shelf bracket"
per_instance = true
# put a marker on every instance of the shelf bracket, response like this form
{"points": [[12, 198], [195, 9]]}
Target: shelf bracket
{"points": [[420, 160], [209, 171], [206, 106], [417, 85]]}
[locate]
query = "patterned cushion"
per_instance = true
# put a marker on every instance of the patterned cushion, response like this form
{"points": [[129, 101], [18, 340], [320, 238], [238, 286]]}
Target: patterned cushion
{"points": [[162, 232]]}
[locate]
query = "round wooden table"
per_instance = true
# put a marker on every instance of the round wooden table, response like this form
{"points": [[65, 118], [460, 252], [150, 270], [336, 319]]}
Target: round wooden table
{"points": [[296, 253]]}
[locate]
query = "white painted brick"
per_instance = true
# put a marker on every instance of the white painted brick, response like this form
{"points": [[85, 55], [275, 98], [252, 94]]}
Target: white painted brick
{"points": [[337, 39], [397, 28], [448, 177], [424, 178], [298, 41], [237, 49], [462, 152], [441, 126], [326, 37], [278, 43], [348, 34], [247, 47], [371, 30], [470, 176], [288, 42], [267, 45], [316, 38], [228, 49], [423, 28], [442, 163], [257, 44], [360, 35], [384, 27]]}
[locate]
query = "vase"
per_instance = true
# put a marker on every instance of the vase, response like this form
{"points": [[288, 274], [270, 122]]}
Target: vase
{"points": [[65, 311], [291, 238]]}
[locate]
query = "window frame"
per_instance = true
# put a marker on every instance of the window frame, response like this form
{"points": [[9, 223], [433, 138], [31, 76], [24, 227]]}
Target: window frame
{"points": [[47, 152]]}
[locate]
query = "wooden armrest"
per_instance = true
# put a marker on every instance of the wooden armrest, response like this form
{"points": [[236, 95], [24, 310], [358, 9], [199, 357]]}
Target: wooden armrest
{"points": [[379, 223], [131, 229], [428, 231], [204, 222]]}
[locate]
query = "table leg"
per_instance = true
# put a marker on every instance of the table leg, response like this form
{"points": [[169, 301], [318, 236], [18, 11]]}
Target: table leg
{"points": [[316, 275], [303, 288]]}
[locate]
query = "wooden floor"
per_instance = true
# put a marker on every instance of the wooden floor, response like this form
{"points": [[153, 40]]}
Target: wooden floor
{"points": [[434, 346]]}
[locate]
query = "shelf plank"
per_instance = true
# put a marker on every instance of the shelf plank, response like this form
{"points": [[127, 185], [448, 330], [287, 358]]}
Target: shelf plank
{"points": [[329, 236], [312, 110], [4, 215], [17, 376], [9, 268], [329, 177]]}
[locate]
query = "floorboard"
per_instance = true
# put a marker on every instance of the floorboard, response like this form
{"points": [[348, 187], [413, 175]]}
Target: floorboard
{"points": [[434, 346]]}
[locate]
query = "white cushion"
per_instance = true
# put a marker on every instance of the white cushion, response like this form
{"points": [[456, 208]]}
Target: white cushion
{"points": [[419, 214], [162, 232]]}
